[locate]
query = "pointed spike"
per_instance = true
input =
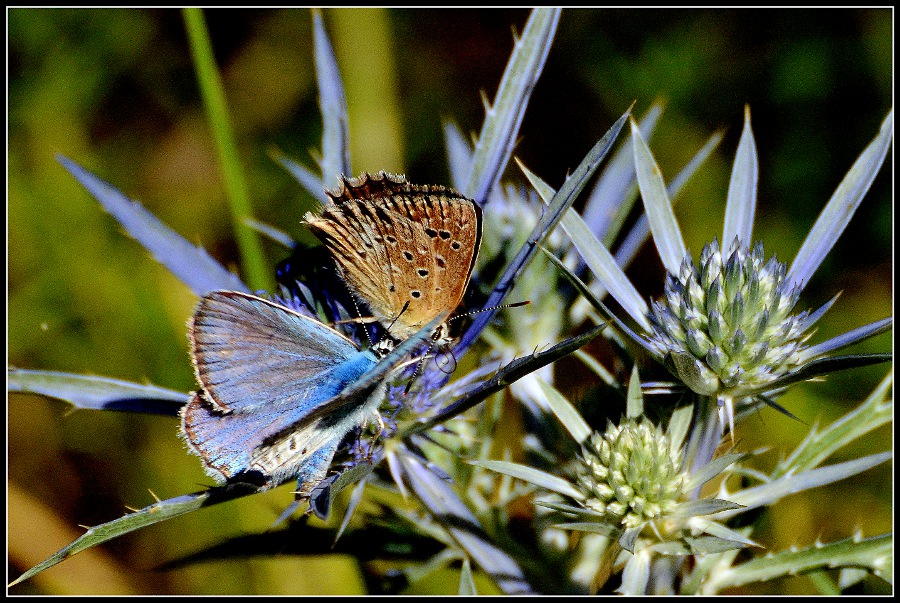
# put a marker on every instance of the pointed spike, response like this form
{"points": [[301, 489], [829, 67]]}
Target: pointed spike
{"points": [[488, 109], [770, 402]]}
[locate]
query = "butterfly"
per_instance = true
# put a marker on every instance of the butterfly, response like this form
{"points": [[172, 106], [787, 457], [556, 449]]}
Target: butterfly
{"points": [[407, 251], [279, 390]]}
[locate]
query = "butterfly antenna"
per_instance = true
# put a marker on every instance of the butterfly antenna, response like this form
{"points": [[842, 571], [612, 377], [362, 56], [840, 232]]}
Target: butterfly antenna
{"points": [[449, 354], [513, 305], [436, 335]]}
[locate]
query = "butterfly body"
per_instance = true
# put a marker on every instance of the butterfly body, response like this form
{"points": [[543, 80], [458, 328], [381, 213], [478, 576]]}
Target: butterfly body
{"points": [[405, 250], [271, 407]]}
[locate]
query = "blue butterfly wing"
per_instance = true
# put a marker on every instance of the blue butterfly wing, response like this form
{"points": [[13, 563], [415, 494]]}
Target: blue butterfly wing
{"points": [[280, 390], [250, 353], [263, 449], [266, 371]]}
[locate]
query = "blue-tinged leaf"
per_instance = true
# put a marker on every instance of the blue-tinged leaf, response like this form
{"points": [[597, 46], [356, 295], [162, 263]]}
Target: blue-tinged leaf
{"points": [[813, 318], [605, 312], [544, 190], [307, 179], [324, 492], [707, 545], [515, 370], [155, 513], [355, 499], [641, 229], [876, 410], [848, 338], [532, 476], [594, 527], [191, 264], [769, 400], [395, 469], [466, 581], [561, 202], [638, 234], [501, 124], [678, 424], [459, 155], [570, 509], [841, 207], [629, 538], [566, 413], [768, 493], [666, 232], [606, 203], [446, 507], [97, 393], [741, 206], [713, 468], [704, 438], [286, 514], [820, 367], [636, 574], [704, 506], [335, 121], [634, 398], [597, 257], [276, 234], [875, 554]]}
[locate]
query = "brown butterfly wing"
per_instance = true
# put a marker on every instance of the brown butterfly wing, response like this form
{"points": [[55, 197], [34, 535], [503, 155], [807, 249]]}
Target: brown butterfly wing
{"points": [[448, 235], [395, 242], [355, 241], [368, 187]]}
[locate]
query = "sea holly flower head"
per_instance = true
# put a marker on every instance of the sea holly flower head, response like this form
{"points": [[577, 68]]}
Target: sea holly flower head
{"points": [[631, 482], [726, 326], [631, 474]]}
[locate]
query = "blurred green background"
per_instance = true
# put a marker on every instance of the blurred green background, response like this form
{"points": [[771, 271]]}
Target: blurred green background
{"points": [[115, 91]]}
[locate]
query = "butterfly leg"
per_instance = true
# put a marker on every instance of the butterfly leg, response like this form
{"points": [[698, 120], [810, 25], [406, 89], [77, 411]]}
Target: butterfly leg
{"points": [[380, 422], [370, 449]]}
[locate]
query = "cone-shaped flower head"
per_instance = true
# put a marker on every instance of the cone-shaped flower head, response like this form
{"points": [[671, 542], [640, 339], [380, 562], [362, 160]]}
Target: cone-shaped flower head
{"points": [[631, 474], [726, 327]]}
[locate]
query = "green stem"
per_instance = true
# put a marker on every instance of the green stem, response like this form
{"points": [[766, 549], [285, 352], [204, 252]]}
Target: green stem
{"points": [[210, 82]]}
